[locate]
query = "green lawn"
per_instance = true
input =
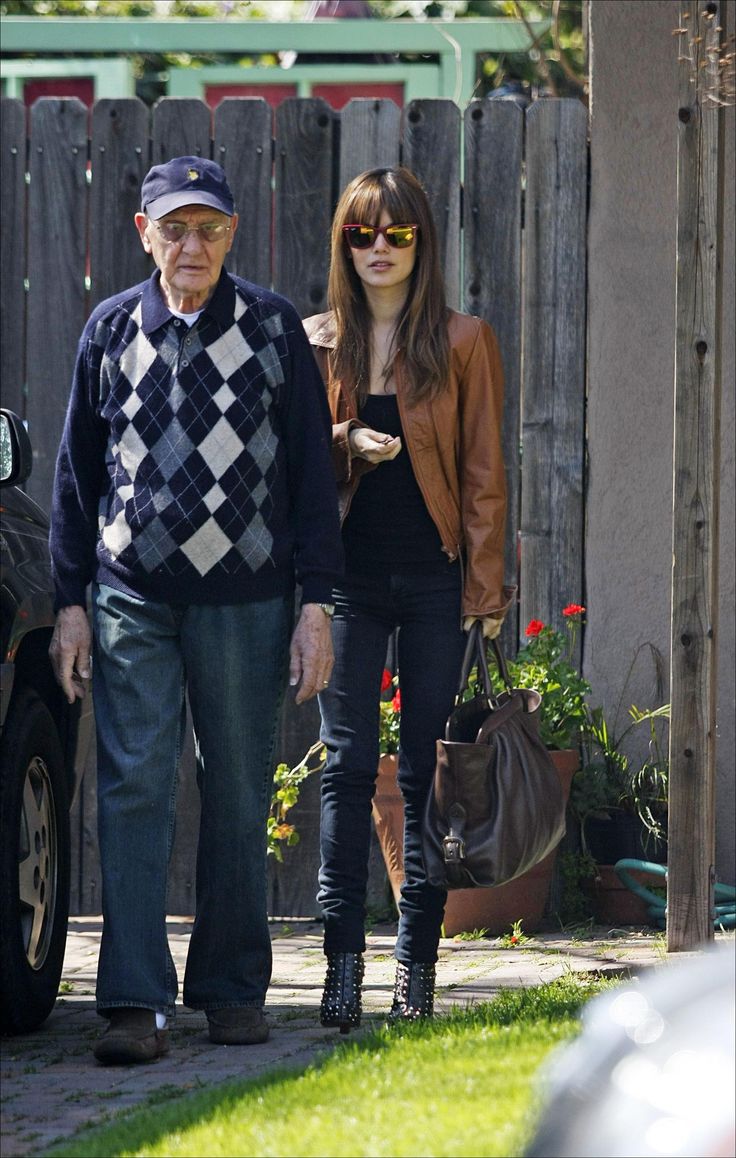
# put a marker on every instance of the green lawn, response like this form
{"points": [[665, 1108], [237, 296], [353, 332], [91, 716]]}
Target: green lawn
{"points": [[460, 1085]]}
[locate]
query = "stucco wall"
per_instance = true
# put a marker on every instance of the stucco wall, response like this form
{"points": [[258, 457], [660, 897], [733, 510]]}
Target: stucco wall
{"points": [[632, 254]]}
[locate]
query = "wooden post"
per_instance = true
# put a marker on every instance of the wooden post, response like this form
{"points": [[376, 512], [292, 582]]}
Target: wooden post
{"points": [[695, 489]]}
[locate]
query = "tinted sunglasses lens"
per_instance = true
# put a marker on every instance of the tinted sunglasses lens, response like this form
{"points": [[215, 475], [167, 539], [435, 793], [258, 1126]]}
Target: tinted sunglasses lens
{"points": [[359, 236], [363, 236], [400, 236]]}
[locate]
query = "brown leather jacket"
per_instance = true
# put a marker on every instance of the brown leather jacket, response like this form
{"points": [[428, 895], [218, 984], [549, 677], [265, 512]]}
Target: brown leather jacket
{"points": [[454, 442]]}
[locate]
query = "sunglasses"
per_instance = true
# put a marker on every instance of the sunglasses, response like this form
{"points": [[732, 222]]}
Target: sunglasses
{"points": [[175, 231], [364, 236]]}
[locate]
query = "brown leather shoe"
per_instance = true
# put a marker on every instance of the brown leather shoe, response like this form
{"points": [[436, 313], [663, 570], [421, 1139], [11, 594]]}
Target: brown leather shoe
{"points": [[238, 1025], [131, 1037]]}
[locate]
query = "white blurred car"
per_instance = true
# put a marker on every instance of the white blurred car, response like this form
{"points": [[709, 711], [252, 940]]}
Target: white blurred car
{"points": [[652, 1073]]}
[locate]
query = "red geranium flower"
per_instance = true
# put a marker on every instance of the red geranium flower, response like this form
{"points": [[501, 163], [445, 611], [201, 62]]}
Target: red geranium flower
{"points": [[386, 680], [534, 627], [573, 609], [396, 701]]}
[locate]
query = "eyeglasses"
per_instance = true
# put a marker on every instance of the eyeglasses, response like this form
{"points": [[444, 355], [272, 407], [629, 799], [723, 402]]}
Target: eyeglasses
{"points": [[364, 236], [176, 231]]}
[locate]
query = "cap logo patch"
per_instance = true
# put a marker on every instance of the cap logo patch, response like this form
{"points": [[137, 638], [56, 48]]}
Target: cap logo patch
{"points": [[192, 174]]}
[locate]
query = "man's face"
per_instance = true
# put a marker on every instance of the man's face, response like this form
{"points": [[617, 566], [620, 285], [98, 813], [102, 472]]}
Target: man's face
{"points": [[190, 268]]}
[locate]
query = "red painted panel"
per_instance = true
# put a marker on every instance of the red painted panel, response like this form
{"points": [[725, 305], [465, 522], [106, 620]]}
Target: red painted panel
{"points": [[338, 95], [274, 94], [60, 86]]}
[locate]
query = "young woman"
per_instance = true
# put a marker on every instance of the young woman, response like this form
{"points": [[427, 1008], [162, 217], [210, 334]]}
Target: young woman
{"points": [[416, 393]]}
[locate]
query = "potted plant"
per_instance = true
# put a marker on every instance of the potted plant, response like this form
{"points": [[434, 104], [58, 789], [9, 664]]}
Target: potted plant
{"points": [[287, 782], [620, 802], [545, 663]]}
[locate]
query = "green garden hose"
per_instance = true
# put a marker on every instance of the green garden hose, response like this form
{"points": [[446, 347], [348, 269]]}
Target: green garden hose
{"points": [[724, 909]]}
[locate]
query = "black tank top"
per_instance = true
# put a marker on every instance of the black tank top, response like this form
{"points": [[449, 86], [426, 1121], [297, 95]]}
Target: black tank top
{"points": [[388, 526]]}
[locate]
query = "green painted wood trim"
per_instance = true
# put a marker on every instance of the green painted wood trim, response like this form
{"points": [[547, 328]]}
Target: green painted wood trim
{"points": [[113, 35], [420, 80], [112, 78]]}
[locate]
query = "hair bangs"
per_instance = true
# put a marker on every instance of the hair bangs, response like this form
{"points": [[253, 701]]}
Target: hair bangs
{"points": [[377, 193]]}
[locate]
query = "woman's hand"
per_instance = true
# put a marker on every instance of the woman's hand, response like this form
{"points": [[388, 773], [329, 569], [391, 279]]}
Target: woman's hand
{"points": [[372, 445], [491, 627]]}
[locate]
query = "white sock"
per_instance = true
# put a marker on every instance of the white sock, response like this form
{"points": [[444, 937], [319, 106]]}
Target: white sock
{"points": [[160, 1020]]}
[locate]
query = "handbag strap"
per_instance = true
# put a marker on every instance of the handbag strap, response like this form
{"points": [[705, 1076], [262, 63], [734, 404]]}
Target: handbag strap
{"points": [[475, 655], [501, 662]]}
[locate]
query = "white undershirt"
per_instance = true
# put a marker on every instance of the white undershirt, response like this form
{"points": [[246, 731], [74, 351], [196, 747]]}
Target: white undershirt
{"points": [[190, 319]]}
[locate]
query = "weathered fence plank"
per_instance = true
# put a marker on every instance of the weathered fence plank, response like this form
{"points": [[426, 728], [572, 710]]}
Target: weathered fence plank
{"points": [[553, 388], [494, 150], [118, 163], [431, 149], [12, 266], [305, 158], [243, 131], [57, 252], [369, 137], [181, 128], [305, 165]]}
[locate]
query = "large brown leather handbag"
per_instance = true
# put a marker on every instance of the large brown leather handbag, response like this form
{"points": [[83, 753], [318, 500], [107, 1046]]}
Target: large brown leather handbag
{"points": [[496, 807]]}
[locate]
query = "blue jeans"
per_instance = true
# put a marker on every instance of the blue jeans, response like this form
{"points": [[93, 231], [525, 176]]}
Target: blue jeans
{"points": [[427, 610], [232, 661]]}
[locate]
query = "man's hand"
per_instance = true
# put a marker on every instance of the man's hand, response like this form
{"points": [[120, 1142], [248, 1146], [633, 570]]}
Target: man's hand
{"points": [[311, 652], [372, 445], [70, 651]]}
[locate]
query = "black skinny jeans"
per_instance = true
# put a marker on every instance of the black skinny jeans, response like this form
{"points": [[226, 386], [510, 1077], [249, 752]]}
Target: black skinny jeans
{"points": [[427, 610]]}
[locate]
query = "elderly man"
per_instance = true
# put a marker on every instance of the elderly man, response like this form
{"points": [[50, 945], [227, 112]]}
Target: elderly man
{"points": [[193, 489]]}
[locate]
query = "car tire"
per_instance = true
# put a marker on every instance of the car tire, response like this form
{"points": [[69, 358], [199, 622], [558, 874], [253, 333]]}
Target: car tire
{"points": [[34, 893]]}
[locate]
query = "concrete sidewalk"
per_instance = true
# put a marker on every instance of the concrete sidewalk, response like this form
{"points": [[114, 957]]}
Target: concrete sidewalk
{"points": [[52, 1086]]}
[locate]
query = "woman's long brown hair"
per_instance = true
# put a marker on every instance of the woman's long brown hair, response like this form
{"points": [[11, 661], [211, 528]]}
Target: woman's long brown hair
{"points": [[421, 339]]}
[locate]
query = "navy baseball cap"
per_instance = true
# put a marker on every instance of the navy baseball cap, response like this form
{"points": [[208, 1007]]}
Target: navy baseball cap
{"points": [[185, 181]]}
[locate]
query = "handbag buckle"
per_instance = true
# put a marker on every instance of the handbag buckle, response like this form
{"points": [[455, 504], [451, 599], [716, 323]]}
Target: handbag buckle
{"points": [[454, 849], [453, 844]]}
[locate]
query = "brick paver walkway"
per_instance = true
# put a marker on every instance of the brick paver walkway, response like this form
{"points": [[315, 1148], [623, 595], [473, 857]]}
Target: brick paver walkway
{"points": [[52, 1087]]}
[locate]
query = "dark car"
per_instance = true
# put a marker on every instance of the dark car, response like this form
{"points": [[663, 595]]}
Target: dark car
{"points": [[43, 743]]}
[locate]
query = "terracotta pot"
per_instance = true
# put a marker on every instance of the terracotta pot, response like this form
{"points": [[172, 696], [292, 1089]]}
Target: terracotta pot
{"points": [[388, 818], [496, 909], [614, 904]]}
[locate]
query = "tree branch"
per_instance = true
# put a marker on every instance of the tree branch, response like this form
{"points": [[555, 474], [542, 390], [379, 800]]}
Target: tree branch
{"points": [[543, 62]]}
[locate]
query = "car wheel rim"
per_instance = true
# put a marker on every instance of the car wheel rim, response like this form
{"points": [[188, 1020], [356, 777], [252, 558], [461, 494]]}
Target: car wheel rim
{"points": [[37, 863]]}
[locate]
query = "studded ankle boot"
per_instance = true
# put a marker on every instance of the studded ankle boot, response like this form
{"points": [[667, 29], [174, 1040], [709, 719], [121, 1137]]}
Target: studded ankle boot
{"points": [[413, 992], [341, 1000]]}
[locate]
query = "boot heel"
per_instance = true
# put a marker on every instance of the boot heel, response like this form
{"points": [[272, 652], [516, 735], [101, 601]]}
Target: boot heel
{"points": [[341, 1005]]}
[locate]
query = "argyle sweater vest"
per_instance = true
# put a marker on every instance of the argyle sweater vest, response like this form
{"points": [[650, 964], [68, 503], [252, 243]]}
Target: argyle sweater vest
{"points": [[195, 462]]}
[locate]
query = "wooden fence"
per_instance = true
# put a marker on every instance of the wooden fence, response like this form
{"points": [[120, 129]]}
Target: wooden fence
{"points": [[509, 192]]}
